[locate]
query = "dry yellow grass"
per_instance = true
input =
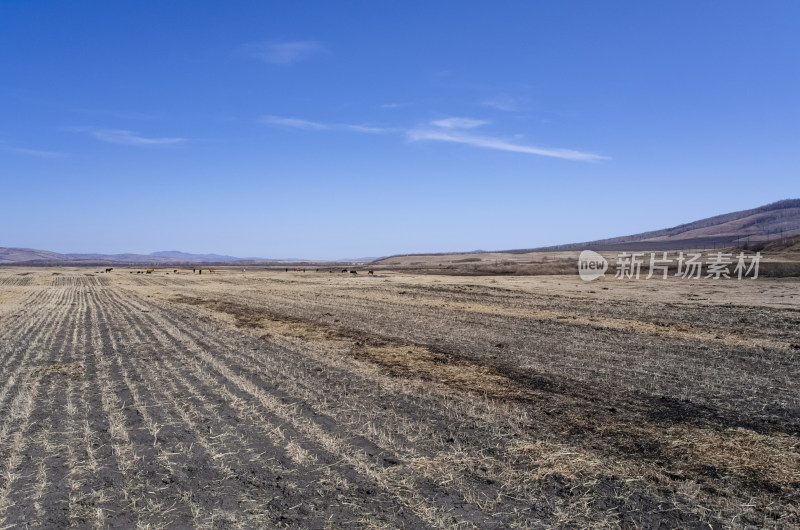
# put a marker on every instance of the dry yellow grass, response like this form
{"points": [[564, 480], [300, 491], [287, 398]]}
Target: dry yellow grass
{"points": [[266, 398]]}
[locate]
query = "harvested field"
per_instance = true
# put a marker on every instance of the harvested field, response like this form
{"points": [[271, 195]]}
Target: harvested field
{"points": [[289, 399]]}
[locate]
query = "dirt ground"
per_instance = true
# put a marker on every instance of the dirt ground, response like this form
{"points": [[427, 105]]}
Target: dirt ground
{"points": [[328, 400], [780, 258]]}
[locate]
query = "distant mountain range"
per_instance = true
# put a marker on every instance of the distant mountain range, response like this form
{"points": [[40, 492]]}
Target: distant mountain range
{"points": [[758, 224], [195, 257], [736, 228], [15, 255], [45, 257]]}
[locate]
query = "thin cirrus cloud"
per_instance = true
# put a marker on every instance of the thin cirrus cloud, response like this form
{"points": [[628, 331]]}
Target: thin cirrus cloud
{"points": [[296, 123], [125, 137], [395, 105], [458, 123], [487, 142], [502, 102], [123, 115], [452, 130], [39, 153], [284, 52]]}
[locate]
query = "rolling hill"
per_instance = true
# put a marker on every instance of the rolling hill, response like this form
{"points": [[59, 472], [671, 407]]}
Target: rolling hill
{"points": [[20, 255], [758, 224], [14, 255], [747, 226]]}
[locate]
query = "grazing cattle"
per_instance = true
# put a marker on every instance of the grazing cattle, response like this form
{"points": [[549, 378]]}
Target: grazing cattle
{"points": [[175, 270], [150, 271], [109, 270], [212, 270], [344, 270], [353, 272], [371, 273]]}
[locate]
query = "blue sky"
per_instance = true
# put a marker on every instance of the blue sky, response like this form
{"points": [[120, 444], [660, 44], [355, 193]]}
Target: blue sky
{"points": [[347, 129]]}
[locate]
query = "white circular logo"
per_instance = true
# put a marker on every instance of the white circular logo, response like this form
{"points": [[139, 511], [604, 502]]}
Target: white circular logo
{"points": [[591, 265]]}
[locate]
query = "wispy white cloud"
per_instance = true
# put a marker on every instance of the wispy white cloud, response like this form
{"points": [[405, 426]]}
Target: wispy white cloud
{"points": [[502, 102], [124, 115], [458, 123], [284, 52], [125, 137], [395, 105], [366, 129], [453, 130], [487, 142], [296, 123], [33, 152]]}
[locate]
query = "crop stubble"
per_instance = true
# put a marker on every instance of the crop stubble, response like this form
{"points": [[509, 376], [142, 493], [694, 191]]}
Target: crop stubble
{"points": [[283, 399]]}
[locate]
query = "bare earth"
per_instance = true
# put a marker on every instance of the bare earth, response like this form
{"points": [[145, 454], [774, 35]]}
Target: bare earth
{"points": [[286, 399]]}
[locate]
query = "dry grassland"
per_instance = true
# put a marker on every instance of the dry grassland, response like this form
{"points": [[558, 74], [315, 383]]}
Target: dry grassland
{"points": [[328, 400]]}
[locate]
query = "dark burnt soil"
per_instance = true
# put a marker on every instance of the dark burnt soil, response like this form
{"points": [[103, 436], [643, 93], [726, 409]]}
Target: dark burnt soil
{"points": [[636, 405], [619, 424], [139, 405]]}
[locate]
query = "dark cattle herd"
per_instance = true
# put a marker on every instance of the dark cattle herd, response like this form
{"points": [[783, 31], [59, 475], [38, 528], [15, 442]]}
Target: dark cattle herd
{"points": [[196, 270]]}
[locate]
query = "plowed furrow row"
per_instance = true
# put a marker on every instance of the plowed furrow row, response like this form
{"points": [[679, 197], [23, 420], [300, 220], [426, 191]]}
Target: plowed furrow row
{"points": [[452, 467], [14, 437], [49, 444], [86, 505], [300, 455], [45, 465], [139, 492], [276, 441], [458, 464], [158, 428], [166, 417], [99, 501], [615, 359], [19, 335], [32, 343], [397, 436], [390, 433], [324, 484], [385, 427], [399, 481], [161, 424], [13, 305], [26, 320], [272, 400], [389, 423]]}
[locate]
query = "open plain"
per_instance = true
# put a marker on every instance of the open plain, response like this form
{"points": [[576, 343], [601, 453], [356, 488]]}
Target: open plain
{"points": [[266, 398]]}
